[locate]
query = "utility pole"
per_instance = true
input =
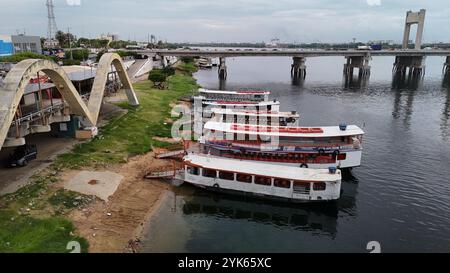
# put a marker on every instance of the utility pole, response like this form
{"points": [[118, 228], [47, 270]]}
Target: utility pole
{"points": [[70, 43]]}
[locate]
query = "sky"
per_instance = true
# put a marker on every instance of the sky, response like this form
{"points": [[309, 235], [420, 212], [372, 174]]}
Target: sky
{"points": [[298, 21]]}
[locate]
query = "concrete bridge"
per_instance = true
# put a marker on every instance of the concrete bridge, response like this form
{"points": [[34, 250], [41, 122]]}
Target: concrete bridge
{"points": [[405, 58], [407, 62], [293, 53]]}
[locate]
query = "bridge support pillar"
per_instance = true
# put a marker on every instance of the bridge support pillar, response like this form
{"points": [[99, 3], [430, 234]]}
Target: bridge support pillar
{"points": [[360, 62], [413, 66], [446, 69], [222, 69], [298, 68]]}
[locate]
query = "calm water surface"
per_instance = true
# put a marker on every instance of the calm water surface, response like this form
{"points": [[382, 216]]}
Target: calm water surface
{"points": [[399, 197]]}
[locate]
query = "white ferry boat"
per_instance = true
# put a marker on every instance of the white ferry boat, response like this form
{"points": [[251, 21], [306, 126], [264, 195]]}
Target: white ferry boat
{"points": [[206, 106], [242, 95], [255, 117], [262, 180], [306, 147]]}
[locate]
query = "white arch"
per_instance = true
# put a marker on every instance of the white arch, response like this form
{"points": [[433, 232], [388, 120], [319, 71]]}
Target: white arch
{"points": [[17, 79]]}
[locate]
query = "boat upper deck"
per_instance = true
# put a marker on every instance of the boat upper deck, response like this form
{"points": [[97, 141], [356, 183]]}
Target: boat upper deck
{"points": [[234, 93], [260, 169], [255, 113], [247, 104], [280, 131]]}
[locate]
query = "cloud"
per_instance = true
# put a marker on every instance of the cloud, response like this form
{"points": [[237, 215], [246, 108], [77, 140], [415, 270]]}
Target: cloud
{"points": [[374, 2], [231, 20]]}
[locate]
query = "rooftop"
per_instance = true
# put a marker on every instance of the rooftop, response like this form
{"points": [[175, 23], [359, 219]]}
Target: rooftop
{"points": [[262, 169], [329, 131]]}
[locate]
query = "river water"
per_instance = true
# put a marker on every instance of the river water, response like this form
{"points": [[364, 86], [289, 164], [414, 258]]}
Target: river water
{"points": [[400, 197]]}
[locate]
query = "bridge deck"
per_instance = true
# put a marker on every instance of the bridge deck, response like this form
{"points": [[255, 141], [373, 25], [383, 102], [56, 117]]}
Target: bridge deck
{"points": [[293, 53]]}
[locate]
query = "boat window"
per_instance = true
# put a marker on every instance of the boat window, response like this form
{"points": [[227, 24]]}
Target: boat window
{"points": [[282, 183], [226, 175], [209, 173], [342, 156], [321, 186], [302, 187], [193, 170], [245, 178], [261, 180]]}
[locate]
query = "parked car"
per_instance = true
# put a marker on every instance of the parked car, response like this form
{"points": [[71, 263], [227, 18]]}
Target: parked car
{"points": [[22, 155]]}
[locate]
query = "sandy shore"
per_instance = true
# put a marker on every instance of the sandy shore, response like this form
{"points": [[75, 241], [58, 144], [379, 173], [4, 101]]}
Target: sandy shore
{"points": [[109, 226]]}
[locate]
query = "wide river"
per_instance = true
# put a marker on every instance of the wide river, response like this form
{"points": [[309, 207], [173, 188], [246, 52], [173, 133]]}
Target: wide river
{"points": [[399, 197]]}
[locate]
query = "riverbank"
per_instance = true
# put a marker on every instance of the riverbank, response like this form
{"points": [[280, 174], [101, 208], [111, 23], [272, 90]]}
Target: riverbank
{"points": [[44, 217]]}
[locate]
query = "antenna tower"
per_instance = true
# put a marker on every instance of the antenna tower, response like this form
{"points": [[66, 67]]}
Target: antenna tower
{"points": [[52, 28]]}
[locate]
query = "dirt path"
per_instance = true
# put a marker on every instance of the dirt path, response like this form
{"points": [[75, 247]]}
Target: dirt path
{"points": [[109, 226]]}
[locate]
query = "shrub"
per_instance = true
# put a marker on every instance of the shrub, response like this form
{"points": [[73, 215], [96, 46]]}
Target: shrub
{"points": [[24, 56], [169, 71], [187, 59], [157, 76]]}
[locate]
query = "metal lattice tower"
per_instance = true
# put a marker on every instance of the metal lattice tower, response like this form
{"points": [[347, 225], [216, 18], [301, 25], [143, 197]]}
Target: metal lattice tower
{"points": [[52, 28]]}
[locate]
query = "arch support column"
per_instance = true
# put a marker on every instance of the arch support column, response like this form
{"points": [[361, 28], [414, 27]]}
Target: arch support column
{"points": [[18, 78]]}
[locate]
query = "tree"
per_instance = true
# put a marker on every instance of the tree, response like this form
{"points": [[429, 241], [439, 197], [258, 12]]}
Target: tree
{"points": [[169, 71], [100, 54], [158, 77], [63, 38], [78, 54]]}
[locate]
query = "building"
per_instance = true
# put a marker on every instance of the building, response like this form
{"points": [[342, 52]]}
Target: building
{"points": [[10, 45], [6, 46], [109, 37], [52, 43], [24, 43]]}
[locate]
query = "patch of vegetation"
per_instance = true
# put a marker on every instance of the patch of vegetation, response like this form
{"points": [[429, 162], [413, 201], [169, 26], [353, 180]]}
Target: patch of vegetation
{"points": [[133, 133], [77, 54], [69, 199], [158, 77], [122, 53], [24, 234], [70, 62], [29, 220], [187, 59], [187, 67], [121, 44], [24, 56]]}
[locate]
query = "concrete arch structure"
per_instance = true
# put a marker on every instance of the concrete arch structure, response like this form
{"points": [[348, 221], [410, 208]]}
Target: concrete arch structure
{"points": [[17, 79]]}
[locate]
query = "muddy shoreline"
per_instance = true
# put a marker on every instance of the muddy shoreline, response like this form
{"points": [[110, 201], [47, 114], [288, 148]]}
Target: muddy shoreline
{"points": [[111, 226]]}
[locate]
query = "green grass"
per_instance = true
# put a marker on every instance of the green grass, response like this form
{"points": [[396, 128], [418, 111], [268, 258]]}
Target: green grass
{"points": [[133, 133], [23, 56], [63, 199], [32, 219], [187, 68], [24, 234]]}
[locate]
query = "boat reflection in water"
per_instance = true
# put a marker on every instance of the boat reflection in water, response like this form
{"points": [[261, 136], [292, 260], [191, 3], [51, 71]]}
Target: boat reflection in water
{"points": [[320, 218]]}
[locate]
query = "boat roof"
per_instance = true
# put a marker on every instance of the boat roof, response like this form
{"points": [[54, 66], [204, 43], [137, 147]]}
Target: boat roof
{"points": [[240, 112], [240, 103], [307, 132], [238, 92], [259, 168]]}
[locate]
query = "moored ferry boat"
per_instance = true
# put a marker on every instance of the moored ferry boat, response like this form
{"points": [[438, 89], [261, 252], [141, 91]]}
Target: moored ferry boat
{"points": [[306, 147], [206, 106], [262, 180], [241, 95], [255, 117]]}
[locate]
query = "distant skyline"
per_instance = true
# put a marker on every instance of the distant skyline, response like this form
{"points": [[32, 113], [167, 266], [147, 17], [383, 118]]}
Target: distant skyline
{"points": [[298, 21]]}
